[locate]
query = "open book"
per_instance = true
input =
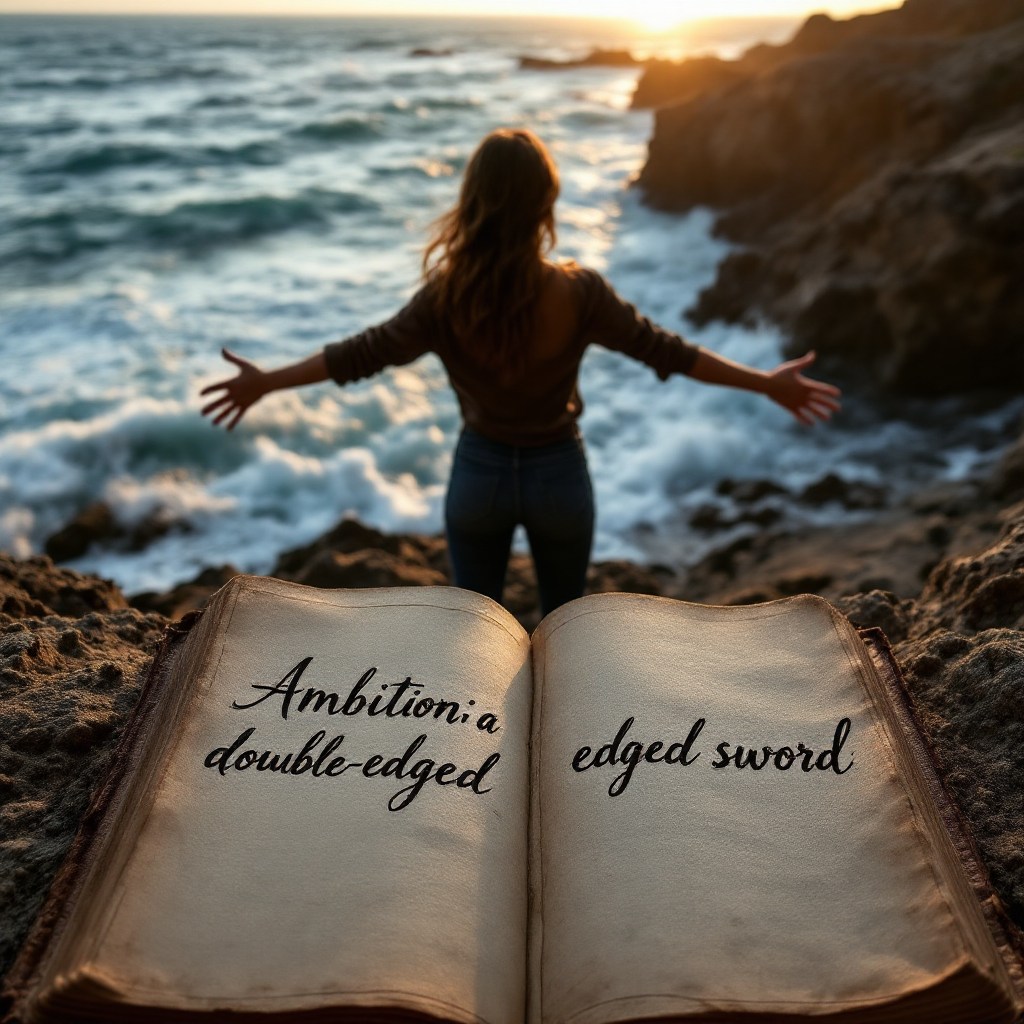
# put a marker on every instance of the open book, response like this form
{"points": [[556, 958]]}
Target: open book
{"points": [[390, 805]]}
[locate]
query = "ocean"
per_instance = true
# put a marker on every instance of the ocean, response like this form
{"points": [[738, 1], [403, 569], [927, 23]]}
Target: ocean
{"points": [[172, 186]]}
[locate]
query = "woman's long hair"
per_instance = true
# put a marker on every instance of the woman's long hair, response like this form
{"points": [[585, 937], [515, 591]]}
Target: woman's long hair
{"points": [[484, 262]]}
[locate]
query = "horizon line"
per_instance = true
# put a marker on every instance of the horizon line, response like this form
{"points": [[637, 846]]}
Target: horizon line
{"points": [[445, 15]]}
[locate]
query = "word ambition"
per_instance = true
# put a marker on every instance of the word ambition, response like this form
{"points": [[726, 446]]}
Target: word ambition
{"points": [[629, 755], [319, 763], [404, 701], [321, 758]]}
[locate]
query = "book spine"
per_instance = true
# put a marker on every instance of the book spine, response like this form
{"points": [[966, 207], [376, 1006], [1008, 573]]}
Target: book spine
{"points": [[93, 828]]}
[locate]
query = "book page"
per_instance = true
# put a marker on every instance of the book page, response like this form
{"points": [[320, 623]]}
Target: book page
{"points": [[343, 821], [718, 825]]}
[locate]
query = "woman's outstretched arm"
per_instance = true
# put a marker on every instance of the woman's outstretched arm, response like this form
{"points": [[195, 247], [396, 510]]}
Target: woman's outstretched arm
{"points": [[807, 399], [252, 383]]}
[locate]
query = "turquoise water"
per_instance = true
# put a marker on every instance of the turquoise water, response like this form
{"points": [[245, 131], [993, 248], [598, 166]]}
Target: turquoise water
{"points": [[171, 186]]}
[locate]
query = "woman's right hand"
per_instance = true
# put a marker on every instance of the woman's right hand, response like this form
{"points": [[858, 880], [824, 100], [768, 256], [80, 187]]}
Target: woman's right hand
{"points": [[249, 386]]}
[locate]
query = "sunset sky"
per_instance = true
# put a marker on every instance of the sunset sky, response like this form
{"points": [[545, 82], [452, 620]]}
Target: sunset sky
{"points": [[650, 13]]}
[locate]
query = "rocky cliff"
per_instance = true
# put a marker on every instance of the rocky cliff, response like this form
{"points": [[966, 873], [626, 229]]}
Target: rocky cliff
{"points": [[872, 172]]}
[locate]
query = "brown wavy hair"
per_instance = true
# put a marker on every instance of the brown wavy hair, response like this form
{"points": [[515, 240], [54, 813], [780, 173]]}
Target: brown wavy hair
{"points": [[484, 263]]}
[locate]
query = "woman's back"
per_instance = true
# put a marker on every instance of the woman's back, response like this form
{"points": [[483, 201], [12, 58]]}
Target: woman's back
{"points": [[534, 400]]}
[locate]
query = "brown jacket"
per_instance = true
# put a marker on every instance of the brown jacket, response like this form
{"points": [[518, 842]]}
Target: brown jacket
{"points": [[541, 402]]}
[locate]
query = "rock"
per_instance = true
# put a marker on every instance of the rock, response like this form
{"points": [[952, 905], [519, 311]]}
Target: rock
{"points": [[751, 595], [71, 656], [969, 691], [426, 51], [186, 597], [761, 517], [746, 492], [666, 81], [891, 247], [1006, 482], [879, 608], [833, 488], [708, 518], [595, 59], [372, 568], [152, 527], [978, 592], [627, 578], [711, 518], [97, 524], [36, 588], [93, 524], [350, 536]]}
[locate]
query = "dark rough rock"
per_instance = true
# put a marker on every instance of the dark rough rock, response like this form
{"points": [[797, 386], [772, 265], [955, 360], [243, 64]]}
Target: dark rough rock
{"points": [[833, 487], [350, 537], [665, 81], [1006, 483], [595, 59], [874, 171], [185, 597], [34, 587], [71, 654], [709, 518], [426, 51], [894, 550], [746, 492], [880, 608], [970, 692], [97, 524], [366, 569], [92, 524], [961, 648]]}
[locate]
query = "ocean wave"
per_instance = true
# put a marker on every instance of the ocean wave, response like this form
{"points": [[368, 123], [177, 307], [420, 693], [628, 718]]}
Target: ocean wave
{"points": [[446, 103], [116, 156], [189, 227], [97, 81], [246, 496], [217, 102], [343, 129], [106, 157], [40, 129]]}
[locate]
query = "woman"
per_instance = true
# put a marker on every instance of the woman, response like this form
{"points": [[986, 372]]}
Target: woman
{"points": [[511, 328]]}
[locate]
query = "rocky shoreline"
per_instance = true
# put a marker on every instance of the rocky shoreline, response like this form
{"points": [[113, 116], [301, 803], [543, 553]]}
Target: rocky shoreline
{"points": [[872, 173], [73, 651]]}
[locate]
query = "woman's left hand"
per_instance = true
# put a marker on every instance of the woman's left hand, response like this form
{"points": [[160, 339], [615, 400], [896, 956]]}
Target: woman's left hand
{"points": [[807, 399]]}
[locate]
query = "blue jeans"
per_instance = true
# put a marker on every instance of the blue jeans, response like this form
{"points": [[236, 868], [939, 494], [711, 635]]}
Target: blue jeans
{"points": [[496, 486]]}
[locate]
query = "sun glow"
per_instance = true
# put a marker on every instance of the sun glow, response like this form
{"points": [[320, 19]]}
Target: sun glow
{"points": [[659, 15]]}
